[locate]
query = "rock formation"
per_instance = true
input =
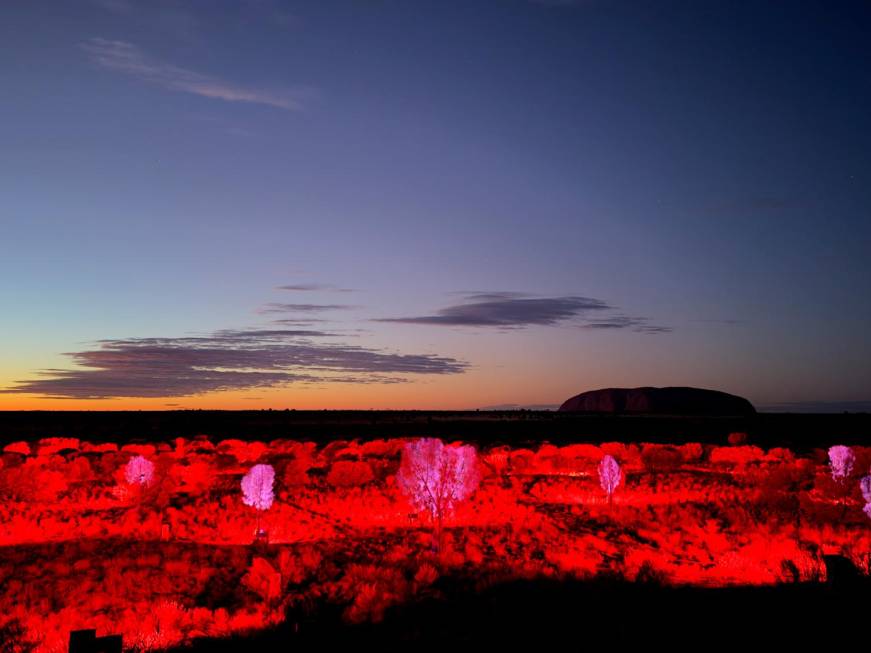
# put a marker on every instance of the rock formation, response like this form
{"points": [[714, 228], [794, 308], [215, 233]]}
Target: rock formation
{"points": [[658, 401]]}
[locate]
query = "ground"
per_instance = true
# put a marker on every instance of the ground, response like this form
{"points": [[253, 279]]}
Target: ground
{"points": [[177, 560]]}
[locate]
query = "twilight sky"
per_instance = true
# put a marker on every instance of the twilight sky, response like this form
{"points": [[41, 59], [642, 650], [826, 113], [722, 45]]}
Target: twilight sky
{"points": [[447, 204]]}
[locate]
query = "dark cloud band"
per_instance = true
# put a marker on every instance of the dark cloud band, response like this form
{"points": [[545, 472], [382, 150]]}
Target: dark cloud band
{"points": [[507, 310], [225, 360]]}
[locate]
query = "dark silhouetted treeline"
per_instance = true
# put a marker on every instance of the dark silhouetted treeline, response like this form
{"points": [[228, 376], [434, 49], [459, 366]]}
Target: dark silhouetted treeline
{"points": [[797, 431]]}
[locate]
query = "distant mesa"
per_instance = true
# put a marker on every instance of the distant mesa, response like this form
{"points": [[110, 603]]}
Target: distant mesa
{"points": [[658, 401]]}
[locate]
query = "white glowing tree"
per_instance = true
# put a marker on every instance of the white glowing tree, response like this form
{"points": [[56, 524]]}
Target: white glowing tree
{"points": [[139, 471], [865, 486], [841, 459], [610, 475], [436, 478], [257, 491]]}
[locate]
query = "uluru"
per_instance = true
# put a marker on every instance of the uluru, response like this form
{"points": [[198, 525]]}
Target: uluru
{"points": [[658, 401]]}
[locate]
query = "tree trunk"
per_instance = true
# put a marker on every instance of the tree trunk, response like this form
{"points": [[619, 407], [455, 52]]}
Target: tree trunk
{"points": [[437, 534]]}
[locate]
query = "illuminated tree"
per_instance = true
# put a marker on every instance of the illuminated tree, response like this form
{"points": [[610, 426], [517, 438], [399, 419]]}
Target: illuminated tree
{"points": [[257, 487], [139, 471], [610, 475], [436, 478], [257, 491], [865, 486], [841, 459]]}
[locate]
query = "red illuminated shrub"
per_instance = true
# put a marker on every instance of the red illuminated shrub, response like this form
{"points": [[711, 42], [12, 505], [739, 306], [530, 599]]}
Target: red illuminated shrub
{"points": [[144, 450], [195, 477], [17, 447], [35, 481], [737, 455], [382, 448], [692, 452], [521, 459], [737, 439], [589, 452], [425, 575], [14, 637], [50, 446], [659, 458], [349, 473], [371, 590], [243, 452], [294, 471], [497, 461], [263, 579], [779, 454]]}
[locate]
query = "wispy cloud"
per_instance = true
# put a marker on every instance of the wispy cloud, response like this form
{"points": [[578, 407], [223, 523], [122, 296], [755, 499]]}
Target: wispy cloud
{"points": [[314, 287], [129, 59], [279, 307], [637, 324], [514, 310], [507, 310], [224, 360], [298, 322]]}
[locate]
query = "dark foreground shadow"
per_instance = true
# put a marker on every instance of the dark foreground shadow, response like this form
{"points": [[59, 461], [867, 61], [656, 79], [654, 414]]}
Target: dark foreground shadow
{"points": [[602, 614]]}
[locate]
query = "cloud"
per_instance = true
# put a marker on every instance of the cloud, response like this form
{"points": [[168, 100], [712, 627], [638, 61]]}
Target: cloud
{"points": [[637, 324], [298, 322], [514, 310], [507, 310], [224, 360], [314, 287], [277, 307], [128, 59]]}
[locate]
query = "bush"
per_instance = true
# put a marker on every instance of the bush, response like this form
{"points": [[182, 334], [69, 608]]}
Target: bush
{"points": [[658, 458], [350, 473], [737, 455], [737, 439]]}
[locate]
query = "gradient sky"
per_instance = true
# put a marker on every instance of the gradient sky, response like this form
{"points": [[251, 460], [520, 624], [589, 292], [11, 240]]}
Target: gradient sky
{"points": [[404, 204]]}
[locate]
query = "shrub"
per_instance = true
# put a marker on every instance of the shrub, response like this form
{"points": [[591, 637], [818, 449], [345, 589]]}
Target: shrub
{"points": [[350, 473], [660, 457]]}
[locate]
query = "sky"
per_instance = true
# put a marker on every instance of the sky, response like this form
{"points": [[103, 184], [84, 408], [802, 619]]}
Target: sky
{"points": [[435, 205]]}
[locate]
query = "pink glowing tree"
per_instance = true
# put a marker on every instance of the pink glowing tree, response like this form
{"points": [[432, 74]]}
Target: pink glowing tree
{"points": [[841, 459], [865, 487], [610, 475], [436, 478], [257, 491], [139, 471]]}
